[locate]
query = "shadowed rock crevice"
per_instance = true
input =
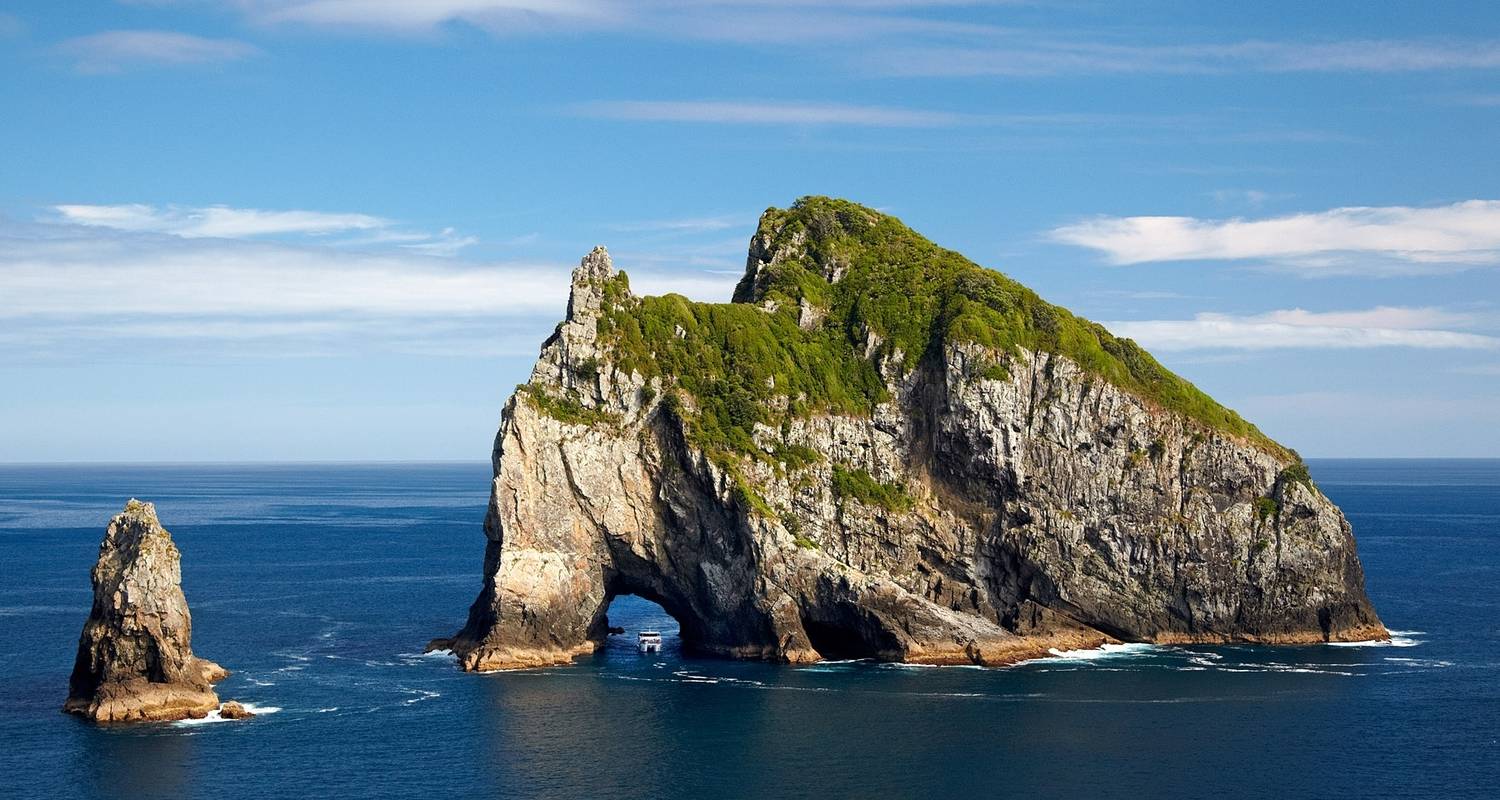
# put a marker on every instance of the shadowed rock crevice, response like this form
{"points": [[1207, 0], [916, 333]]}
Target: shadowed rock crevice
{"points": [[881, 450]]}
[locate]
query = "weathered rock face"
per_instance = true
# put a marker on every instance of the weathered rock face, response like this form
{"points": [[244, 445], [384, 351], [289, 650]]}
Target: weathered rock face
{"points": [[135, 661], [989, 503]]}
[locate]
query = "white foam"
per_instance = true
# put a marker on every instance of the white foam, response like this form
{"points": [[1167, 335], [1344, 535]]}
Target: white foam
{"points": [[1100, 653], [421, 694], [428, 654], [1285, 668], [213, 716], [1398, 639]]}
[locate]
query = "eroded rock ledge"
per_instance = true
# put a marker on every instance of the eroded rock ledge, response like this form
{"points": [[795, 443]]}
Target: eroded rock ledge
{"points": [[135, 660], [986, 498]]}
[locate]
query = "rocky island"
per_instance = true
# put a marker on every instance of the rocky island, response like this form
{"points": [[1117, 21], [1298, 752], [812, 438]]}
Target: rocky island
{"points": [[135, 660], [881, 450]]}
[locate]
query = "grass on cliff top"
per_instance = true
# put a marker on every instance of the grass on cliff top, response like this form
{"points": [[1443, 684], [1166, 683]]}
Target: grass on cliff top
{"points": [[737, 360]]}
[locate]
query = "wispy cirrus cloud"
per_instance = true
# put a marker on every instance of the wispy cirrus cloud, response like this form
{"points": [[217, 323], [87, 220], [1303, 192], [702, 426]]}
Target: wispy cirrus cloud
{"points": [[1385, 326], [1018, 55], [766, 113], [818, 113], [686, 224], [918, 37], [1375, 240], [194, 222], [745, 21], [220, 221], [422, 17], [114, 51]]}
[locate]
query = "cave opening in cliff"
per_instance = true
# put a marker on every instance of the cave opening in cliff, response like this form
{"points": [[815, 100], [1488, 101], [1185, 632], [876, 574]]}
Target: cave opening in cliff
{"points": [[845, 632], [836, 642]]}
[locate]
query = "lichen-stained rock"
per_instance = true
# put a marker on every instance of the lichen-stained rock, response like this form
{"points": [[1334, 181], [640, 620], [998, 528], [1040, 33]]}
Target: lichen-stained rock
{"points": [[882, 450], [135, 661]]}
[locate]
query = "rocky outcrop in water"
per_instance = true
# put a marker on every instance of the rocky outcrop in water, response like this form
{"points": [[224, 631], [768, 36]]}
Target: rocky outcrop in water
{"points": [[881, 450], [135, 660], [233, 710]]}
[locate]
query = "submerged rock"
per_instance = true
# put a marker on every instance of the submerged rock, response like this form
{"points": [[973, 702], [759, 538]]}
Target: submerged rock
{"points": [[135, 661], [882, 450]]}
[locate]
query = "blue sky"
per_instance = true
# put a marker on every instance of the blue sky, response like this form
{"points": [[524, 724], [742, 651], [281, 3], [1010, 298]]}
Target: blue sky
{"points": [[339, 229]]}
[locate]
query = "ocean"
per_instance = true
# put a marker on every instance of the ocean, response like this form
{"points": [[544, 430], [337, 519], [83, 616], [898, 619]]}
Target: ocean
{"points": [[318, 585]]}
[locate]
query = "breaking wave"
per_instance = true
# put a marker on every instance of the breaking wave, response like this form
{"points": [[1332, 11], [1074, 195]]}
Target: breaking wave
{"points": [[213, 716], [1398, 639]]}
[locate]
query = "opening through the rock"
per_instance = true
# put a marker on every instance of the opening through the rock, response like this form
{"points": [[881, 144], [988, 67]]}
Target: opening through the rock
{"points": [[628, 615]]}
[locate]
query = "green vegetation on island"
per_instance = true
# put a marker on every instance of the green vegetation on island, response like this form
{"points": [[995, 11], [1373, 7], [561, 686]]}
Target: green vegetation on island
{"points": [[896, 299]]}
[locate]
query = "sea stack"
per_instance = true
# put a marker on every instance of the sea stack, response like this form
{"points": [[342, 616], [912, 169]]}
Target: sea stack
{"points": [[135, 660], [882, 450]]}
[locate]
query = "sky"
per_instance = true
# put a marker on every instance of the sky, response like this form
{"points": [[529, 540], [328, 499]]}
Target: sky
{"points": [[340, 229]]}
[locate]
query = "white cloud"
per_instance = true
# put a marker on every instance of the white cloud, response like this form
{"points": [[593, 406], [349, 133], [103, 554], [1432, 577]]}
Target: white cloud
{"points": [[1401, 238], [101, 276], [1296, 328], [70, 287], [767, 113], [402, 15], [920, 43], [112, 51], [243, 223], [745, 21], [914, 40], [220, 221]]}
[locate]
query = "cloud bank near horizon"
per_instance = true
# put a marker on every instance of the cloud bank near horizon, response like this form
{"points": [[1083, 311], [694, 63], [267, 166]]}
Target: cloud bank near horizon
{"points": [[105, 275]]}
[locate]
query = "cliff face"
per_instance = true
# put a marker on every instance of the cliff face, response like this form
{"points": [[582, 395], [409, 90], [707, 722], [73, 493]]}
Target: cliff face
{"points": [[881, 450], [135, 661]]}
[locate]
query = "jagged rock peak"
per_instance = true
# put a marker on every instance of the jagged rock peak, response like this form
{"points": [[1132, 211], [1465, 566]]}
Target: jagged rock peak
{"points": [[135, 661], [884, 450], [590, 278]]}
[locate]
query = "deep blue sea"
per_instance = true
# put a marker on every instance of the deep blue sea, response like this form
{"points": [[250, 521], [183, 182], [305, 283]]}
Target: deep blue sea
{"points": [[319, 584]]}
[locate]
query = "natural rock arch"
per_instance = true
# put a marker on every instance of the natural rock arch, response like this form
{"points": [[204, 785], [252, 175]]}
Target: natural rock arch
{"points": [[977, 515]]}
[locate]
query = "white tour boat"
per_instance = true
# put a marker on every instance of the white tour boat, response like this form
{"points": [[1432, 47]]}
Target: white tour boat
{"points": [[649, 642]]}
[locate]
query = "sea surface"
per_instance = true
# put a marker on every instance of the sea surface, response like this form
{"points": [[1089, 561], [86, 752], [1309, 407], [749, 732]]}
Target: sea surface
{"points": [[318, 585]]}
